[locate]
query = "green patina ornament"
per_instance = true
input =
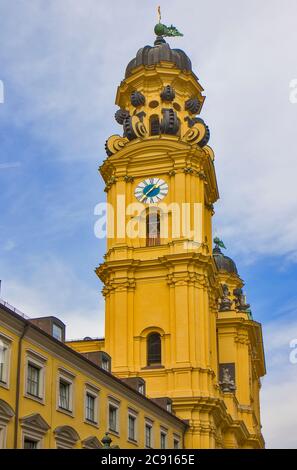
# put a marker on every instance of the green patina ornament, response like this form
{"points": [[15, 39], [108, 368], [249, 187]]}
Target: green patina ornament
{"points": [[163, 30], [169, 31], [219, 242]]}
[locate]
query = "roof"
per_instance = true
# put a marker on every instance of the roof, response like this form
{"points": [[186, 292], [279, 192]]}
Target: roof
{"points": [[224, 263], [29, 324], [161, 51]]}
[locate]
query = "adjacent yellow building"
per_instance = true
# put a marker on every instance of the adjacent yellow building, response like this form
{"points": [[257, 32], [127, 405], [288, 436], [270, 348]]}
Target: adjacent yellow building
{"points": [[53, 397], [178, 329]]}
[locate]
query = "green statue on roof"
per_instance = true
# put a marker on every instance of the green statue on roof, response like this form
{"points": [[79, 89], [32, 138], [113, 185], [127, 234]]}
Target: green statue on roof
{"points": [[218, 242], [163, 30]]}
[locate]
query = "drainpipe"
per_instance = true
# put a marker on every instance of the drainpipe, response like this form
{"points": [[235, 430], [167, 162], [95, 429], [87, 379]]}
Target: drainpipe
{"points": [[18, 385]]}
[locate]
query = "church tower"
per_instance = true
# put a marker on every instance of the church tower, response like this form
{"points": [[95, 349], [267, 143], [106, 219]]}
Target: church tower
{"points": [[175, 312]]}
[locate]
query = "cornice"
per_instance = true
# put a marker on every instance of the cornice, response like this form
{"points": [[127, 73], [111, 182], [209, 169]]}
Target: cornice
{"points": [[160, 155]]}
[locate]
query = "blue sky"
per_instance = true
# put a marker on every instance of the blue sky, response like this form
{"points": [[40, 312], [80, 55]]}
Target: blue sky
{"points": [[60, 63]]}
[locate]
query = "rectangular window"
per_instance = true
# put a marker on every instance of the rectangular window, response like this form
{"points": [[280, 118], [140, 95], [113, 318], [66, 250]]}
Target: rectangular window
{"points": [[176, 443], [90, 407], [3, 361], [163, 439], [34, 383], [30, 443], [141, 389], [169, 407], [132, 427], [148, 435], [2, 437], [105, 364], [33, 380], [64, 395], [113, 418], [57, 332]]}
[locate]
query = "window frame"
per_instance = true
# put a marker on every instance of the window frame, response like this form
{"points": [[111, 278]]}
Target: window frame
{"points": [[149, 361], [141, 388], [32, 437], [3, 435], [153, 240], [106, 361], [57, 327], [148, 424], [33, 379], [68, 378], [134, 415], [94, 393], [116, 405], [29, 438], [164, 433], [39, 362], [6, 415], [7, 342], [176, 439]]}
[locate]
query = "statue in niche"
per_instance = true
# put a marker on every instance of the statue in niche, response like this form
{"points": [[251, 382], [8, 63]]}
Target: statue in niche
{"points": [[226, 302], [240, 300], [227, 377]]}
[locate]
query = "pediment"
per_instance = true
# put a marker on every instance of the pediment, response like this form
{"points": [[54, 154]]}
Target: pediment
{"points": [[67, 432], [6, 412], [35, 421], [92, 442]]}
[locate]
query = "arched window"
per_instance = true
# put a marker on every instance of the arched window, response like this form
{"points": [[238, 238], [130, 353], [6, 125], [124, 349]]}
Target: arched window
{"points": [[153, 349], [153, 228], [154, 125]]}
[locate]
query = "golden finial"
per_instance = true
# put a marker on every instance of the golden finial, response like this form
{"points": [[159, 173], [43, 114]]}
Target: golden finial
{"points": [[159, 13]]}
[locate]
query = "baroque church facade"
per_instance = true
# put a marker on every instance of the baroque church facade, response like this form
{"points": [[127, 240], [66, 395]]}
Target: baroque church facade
{"points": [[181, 347], [175, 311]]}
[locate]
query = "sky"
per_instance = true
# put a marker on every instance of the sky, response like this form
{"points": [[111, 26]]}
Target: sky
{"points": [[60, 64]]}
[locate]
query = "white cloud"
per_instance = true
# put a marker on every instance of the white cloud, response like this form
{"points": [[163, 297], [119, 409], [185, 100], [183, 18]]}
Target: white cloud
{"points": [[278, 397], [279, 412], [62, 63], [68, 58], [51, 288], [9, 245]]}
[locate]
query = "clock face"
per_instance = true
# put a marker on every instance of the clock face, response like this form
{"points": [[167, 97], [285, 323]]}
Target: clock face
{"points": [[151, 190]]}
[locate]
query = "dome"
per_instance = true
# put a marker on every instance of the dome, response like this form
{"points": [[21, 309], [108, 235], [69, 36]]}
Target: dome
{"points": [[152, 55], [224, 263]]}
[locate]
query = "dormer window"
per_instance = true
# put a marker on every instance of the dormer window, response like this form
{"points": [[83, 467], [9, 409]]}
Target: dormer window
{"points": [[105, 364], [57, 332], [141, 388], [105, 361]]}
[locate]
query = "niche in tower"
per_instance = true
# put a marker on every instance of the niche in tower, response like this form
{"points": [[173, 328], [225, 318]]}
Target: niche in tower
{"points": [[153, 227], [154, 125]]}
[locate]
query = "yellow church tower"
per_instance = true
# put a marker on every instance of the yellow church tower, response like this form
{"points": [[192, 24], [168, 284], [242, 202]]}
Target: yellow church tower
{"points": [[175, 312]]}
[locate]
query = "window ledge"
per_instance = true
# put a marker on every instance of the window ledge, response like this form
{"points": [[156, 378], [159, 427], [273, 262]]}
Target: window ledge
{"points": [[132, 441], [35, 398], [65, 412], [114, 433], [92, 423]]}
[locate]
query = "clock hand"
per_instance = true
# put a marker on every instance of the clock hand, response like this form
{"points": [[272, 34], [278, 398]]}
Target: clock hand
{"points": [[146, 195]]}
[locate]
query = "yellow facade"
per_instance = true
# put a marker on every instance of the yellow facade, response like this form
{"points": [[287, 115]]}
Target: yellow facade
{"points": [[175, 288], [40, 419], [175, 313]]}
